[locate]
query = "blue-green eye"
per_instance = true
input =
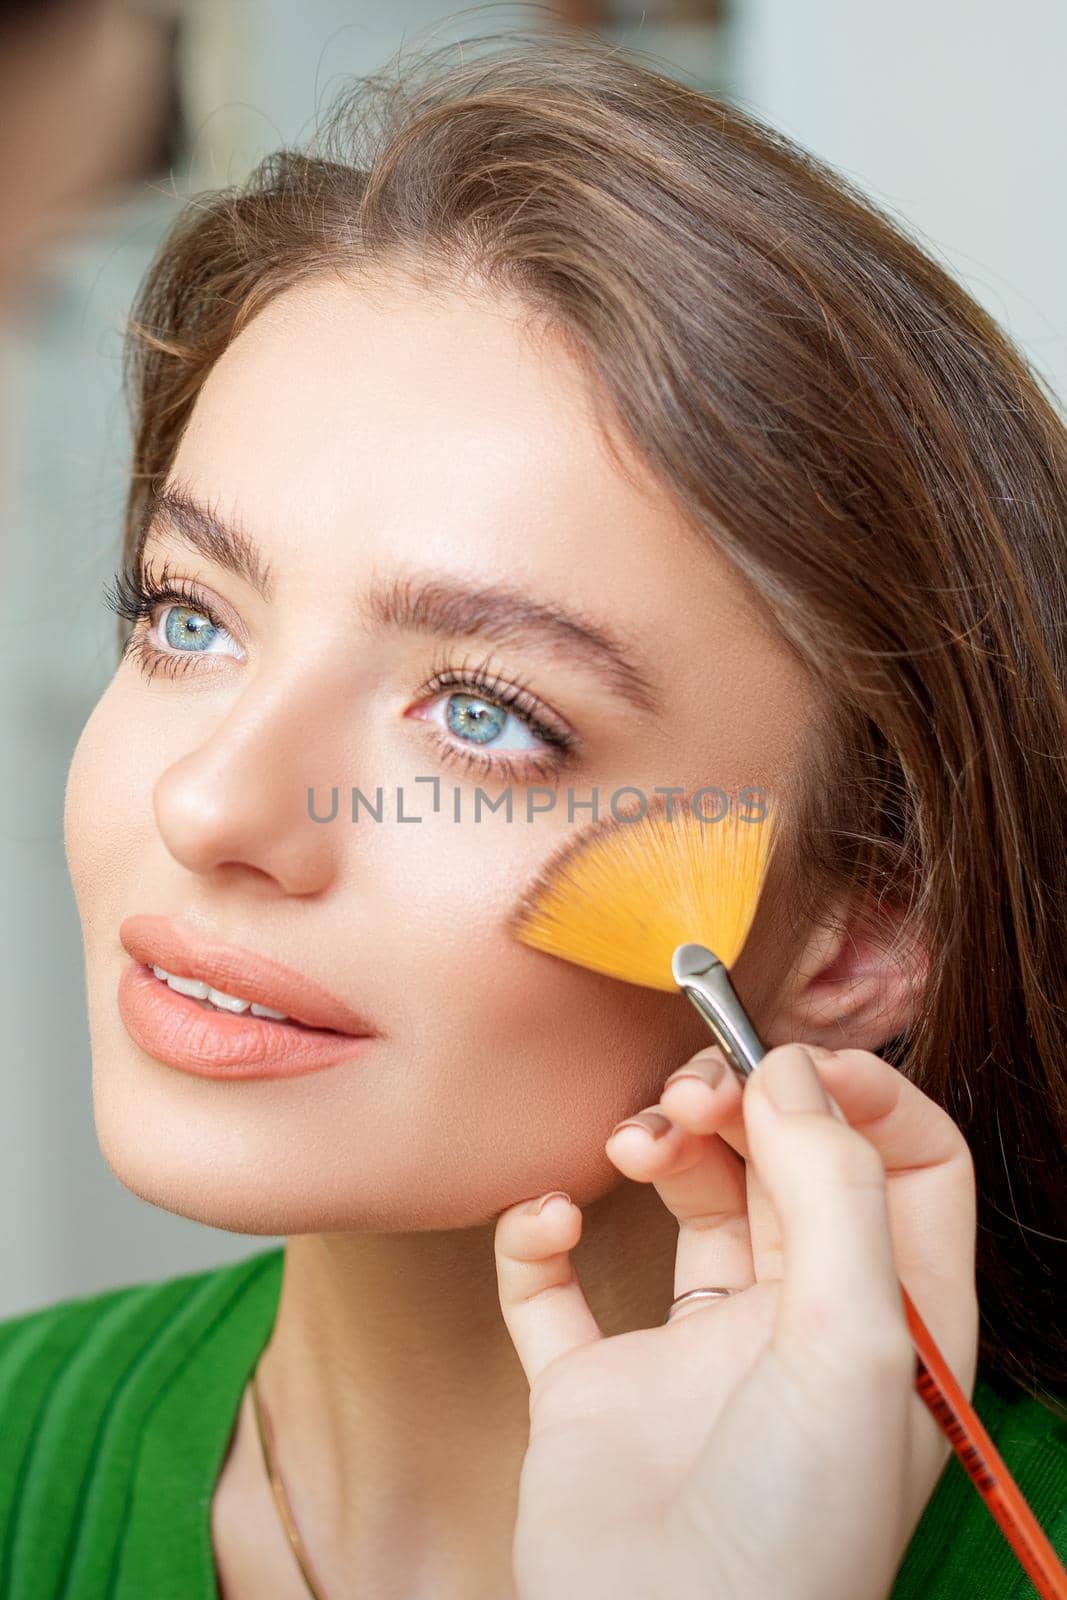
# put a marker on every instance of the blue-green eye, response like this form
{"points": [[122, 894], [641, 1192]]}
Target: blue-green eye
{"points": [[184, 628], [189, 631], [480, 721]]}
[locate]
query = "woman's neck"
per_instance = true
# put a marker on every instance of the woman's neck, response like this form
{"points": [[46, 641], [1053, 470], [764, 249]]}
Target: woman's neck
{"points": [[399, 1406]]}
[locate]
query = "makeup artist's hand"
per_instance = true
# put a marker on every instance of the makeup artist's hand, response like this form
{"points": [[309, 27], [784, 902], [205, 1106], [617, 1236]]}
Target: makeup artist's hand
{"points": [[769, 1444]]}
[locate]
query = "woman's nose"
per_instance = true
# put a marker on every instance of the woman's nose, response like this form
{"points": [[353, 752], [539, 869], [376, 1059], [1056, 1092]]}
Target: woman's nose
{"points": [[239, 799]]}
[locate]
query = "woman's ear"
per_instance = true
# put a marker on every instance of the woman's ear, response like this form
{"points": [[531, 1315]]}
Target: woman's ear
{"points": [[856, 983]]}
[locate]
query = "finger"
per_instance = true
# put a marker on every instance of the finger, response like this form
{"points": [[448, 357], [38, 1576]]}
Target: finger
{"points": [[916, 1138], [764, 1223], [764, 1227], [931, 1190], [702, 1184], [840, 1306], [908, 1129], [703, 1094], [928, 1166], [542, 1302]]}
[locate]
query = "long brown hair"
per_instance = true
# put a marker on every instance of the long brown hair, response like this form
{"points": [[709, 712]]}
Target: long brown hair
{"points": [[840, 418]]}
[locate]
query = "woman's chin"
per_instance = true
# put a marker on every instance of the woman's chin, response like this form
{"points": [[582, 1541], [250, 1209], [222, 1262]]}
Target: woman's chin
{"points": [[188, 1188], [249, 1180], [170, 1155]]}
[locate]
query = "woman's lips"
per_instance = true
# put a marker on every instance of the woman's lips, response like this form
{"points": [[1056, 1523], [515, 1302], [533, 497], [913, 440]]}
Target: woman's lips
{"points": [[182, 1032], [216, 1044], [159, 942]]}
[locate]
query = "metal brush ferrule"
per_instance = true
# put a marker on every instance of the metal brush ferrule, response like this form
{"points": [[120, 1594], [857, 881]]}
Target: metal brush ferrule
{"points": [[704, 980]]}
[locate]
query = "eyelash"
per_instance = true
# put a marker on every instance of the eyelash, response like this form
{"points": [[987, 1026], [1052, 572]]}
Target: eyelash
{"points": [[135, 593], [479, 679]]}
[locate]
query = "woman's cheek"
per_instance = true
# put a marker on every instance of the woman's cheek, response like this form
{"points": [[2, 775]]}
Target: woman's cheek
{"points": [[531, 1029], [83, 802], [100, 805]]}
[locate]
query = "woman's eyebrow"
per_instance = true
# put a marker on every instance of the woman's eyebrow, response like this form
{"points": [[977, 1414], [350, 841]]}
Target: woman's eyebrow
{"points": [[172, 511], [438, 605], [423, 603]]}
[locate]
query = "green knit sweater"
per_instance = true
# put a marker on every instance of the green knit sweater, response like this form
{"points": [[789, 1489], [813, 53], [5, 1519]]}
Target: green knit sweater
{"points": [[116, 1410]]}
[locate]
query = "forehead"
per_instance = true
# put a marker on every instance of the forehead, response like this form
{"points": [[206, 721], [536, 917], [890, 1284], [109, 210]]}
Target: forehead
{"points": [[391, 393], [350, 423]]}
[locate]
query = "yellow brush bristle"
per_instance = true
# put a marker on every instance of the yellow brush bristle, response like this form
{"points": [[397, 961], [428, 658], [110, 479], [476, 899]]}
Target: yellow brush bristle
{"points": [[621, 898]]}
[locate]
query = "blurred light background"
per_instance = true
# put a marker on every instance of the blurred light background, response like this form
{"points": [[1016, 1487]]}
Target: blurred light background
{"points": [[952, 115]]}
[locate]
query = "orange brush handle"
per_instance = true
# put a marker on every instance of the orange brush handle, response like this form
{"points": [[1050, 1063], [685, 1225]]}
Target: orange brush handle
{"points": [[978, 1455]]}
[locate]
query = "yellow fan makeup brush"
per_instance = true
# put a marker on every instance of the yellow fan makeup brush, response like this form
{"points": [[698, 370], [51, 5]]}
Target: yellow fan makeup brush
{"points": [[664, 901], [667, 901]]}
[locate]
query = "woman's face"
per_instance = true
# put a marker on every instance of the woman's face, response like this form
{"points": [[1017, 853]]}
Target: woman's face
{"points": [[423, 486]]}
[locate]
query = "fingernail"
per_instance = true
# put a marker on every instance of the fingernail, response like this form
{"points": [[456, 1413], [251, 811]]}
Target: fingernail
{"points": [[537, 1206], [651, 1121], [707, 1066], [790, 1081]]}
